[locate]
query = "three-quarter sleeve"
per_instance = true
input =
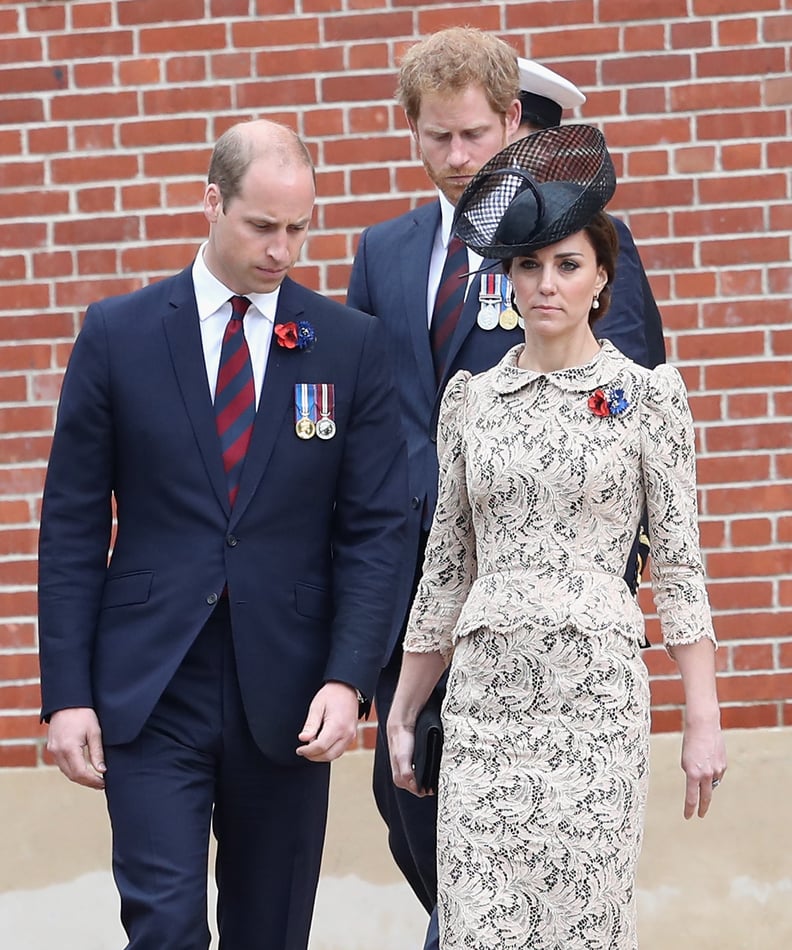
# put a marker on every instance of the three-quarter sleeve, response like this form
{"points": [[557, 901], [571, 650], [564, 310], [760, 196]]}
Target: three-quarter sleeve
{"points": [[669, 471], [450, 561]]}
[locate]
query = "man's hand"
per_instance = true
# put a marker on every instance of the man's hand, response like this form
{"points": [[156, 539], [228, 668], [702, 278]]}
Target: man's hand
{"points": [[331, 725], [75, 741]]}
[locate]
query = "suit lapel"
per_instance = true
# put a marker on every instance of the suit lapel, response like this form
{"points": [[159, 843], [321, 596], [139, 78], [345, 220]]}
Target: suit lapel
{"points": [[416, 256], [183, 333], [276, 399]]}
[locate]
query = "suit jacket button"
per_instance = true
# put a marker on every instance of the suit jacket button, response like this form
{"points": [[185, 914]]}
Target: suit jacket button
{"points": [[232, 541], [415, 502], [211, 599]]}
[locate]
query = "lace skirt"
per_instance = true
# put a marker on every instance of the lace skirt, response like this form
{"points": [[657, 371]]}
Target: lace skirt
{"points": [[542, 791]]}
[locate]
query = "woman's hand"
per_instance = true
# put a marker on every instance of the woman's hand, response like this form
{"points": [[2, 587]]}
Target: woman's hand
{"points": [[704, 764], [401, 741]]}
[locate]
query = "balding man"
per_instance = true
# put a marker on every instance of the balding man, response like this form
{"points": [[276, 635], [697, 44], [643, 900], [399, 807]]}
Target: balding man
{"points": [[247, 432]]}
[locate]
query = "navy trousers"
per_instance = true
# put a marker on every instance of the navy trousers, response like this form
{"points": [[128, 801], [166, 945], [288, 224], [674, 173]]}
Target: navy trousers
{"points": [[195, 768]]}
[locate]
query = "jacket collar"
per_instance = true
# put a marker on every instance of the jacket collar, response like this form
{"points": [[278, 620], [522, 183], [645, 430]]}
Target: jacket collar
{"points": [[602, 370]]}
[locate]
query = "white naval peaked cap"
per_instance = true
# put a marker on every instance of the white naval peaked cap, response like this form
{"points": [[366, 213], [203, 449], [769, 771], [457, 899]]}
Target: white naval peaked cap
{"points": [[545, 94]]}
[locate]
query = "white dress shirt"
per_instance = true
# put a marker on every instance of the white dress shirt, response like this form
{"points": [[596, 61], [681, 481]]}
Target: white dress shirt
{"points": [[214, 312]]}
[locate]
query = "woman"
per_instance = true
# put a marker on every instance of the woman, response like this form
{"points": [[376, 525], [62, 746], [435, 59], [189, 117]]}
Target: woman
{"points": [[546, 464]]}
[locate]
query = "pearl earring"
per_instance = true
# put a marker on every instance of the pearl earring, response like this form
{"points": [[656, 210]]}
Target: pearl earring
{"points": [[595, 303]]}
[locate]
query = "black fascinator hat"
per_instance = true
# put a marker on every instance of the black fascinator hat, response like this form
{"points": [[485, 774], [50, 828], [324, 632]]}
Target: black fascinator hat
{"points": [[538, 190]]}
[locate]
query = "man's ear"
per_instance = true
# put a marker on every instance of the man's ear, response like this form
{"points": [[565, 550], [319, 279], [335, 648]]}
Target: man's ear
{"points": [[512, 118], [212, 203]]}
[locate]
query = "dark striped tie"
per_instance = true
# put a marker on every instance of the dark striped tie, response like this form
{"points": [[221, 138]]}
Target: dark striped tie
{"points": [[448, 305], [235, 396]]}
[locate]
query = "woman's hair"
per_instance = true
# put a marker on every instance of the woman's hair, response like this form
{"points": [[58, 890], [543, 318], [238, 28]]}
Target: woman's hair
{"points": [[451, 60], [601, 232]]}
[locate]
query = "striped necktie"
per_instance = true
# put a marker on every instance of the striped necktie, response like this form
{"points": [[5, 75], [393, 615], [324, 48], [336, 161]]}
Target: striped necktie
{"points": [[235, 396], [448, 304]]}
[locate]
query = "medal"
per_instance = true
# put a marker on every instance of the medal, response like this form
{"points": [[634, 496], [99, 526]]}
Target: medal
{"points": [[489, 298], [305, 429], [325, 404], [305, 410], [508, 319]]}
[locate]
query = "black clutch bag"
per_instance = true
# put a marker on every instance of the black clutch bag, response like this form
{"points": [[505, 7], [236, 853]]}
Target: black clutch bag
{"points": [[428, 745]]}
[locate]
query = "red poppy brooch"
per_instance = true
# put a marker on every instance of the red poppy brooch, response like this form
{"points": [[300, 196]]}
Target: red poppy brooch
{"points": [[295, 336], [610, 403]]}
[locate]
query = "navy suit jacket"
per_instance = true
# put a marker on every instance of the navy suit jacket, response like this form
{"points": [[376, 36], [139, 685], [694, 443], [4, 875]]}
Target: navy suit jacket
{"points": [[389, 279], [308, 552]]}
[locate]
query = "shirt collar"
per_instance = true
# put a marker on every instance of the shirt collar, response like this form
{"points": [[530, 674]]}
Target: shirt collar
{"points": [[211, 293], [600, 371]]}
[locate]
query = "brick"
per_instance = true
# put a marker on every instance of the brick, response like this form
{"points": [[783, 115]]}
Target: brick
{"points": [[777, 28], [756, 563], [714, 470], [756, 498], [161, 132], [263, 94], [99, 230], [163, 102], [270, 32], [170, 40], [17, 635], [97, 261], [719, 221], [182, 225], [742, 32], [104, 44], [753, 716], [756, 687], [299, 62], [370, 150], [758, 624], [27, 50], [87, 15], [95, 137], [157, 257], [691, 34], [758, 60], [45, 19], [93, 75], [18, 755], [22, 79], [150, 11], [755, 656], [324, 122], [28, 449], [538, 14], [240, 8], [747, 406], [666, 720], [96, 200], [744, 595], [176, 162], [696, 158], [374, 56], [21, 111], [102, 105], [145, 195], [742, 283], [234, 65], [21, 727], [481, 16], [764, 123], [93, 168], [83, 292], [743, 250], [369, 87], [52, 264]]}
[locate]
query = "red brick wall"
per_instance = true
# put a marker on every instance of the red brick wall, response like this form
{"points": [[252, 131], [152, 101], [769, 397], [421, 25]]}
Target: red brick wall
{"points": [[107, 116]]}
